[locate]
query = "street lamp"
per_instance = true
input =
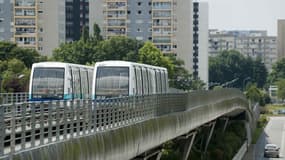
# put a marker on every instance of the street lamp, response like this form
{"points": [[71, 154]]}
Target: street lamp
{"points": [[243, 83]]}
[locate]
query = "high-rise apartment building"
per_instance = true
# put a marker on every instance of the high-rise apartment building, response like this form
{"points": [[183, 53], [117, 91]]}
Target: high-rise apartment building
{"points": [[249, 43], [61, 21], [6, 15], [281, 38], [200, 41], [26, 23], [43, 25], [167, 23]]}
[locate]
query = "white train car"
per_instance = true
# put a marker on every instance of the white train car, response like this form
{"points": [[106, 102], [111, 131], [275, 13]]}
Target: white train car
{"points": [[121, 78], [60, 81]]}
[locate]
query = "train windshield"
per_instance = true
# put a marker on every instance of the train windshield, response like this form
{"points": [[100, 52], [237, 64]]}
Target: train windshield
{"points": [[112, 82], [48, 83]]}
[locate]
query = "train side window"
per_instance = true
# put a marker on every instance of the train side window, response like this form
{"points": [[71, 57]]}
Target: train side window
{"points": [[136, 82], [139, 81], [150, 86], [84, 83], [162, 82], [76, 82], [159, 81], [71, 82], [145, 81], [90, 81], [166, 81], [153, 81]]}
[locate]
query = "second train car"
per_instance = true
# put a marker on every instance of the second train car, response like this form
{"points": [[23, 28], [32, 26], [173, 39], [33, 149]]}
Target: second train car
{"points": [[122, 78]]}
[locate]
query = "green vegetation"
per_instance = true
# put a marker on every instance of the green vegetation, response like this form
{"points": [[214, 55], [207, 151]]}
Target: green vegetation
{"points": [[261, 123], [15, 64], [235, 70], [223, 145]]}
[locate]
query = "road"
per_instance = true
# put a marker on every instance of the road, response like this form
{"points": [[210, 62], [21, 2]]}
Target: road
{"points": [[274, 132]]}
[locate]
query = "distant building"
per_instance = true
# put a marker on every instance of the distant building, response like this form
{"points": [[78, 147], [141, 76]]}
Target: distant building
{"points": [[43, 25], [166, 23], [60, 22], [200, 41], [5, 20], [281, 38], [249, 43]]}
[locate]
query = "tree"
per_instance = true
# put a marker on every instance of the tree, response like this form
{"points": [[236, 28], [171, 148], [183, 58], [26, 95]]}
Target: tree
{"points": [[253, 93], [97, 33], [149, 54], [118, 48], [281, 89], [231, 65], [28, 56], [16, 76], [278, 71]]}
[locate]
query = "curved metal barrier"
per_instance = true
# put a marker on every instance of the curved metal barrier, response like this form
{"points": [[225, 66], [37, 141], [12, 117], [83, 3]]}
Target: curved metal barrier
{"points": [[120, 128]]}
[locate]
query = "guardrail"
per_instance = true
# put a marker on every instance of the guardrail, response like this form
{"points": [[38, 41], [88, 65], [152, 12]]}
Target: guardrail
{"points": [[6, 98], [29, 125]]}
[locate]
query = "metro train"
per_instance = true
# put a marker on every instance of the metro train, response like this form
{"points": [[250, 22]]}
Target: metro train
{"points": [[122, 78], [60, 81]]}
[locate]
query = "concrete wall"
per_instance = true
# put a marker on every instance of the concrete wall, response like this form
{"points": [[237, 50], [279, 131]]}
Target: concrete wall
{"points": [[281, 38]]}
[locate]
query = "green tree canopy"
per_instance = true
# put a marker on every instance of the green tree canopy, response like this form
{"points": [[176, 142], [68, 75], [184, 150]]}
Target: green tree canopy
{"points": [[15, 77], [231, 65], [281, 89], [278, 71]]}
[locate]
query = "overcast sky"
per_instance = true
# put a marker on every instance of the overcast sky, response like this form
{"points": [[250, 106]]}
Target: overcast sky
{"points": [[245, 14]]}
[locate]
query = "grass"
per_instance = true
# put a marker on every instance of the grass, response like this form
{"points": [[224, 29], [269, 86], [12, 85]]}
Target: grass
{"points": [[267, 111], [261, 123]]}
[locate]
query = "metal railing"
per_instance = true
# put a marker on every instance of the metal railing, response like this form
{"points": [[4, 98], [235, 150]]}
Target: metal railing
{"points": [[28, 125], [6, 98]]}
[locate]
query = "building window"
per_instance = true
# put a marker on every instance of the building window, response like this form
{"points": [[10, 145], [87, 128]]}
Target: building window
{"points": [[129, 12], [139, 12], [149, 12], [138, 30], [139, 3]]}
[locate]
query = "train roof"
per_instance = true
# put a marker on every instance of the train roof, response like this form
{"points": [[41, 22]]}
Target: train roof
{"points": [[126, 63], [59, 64]]}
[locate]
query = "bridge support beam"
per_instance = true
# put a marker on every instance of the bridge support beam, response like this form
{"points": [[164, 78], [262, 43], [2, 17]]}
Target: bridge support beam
{"points": [[226, 123], [213, 124], [154, 154], [188, 145]]}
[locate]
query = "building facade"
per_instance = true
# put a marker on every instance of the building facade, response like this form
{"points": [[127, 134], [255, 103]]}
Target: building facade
{"points": [[249, 43], [200, 41], [43, 25], [25, 23], [6, 15], [281, 38], [167, 23]]}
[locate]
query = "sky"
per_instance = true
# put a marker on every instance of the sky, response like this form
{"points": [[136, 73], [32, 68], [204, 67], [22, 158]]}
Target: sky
{"points": [[245, 14]]}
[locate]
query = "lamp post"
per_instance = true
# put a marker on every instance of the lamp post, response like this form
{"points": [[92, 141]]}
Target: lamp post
{"points": [[243, 83]]}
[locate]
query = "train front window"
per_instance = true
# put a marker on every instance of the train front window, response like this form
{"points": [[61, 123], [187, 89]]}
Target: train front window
{"points": [[112, 82], [48, 83]]}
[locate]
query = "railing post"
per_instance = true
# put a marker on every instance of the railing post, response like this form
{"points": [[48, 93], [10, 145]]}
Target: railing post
{"points": [[65, 115], [57, 115], [23, 125], [42, 123], [50, 113], [2, 130], [13, 128], [33, 123]]}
